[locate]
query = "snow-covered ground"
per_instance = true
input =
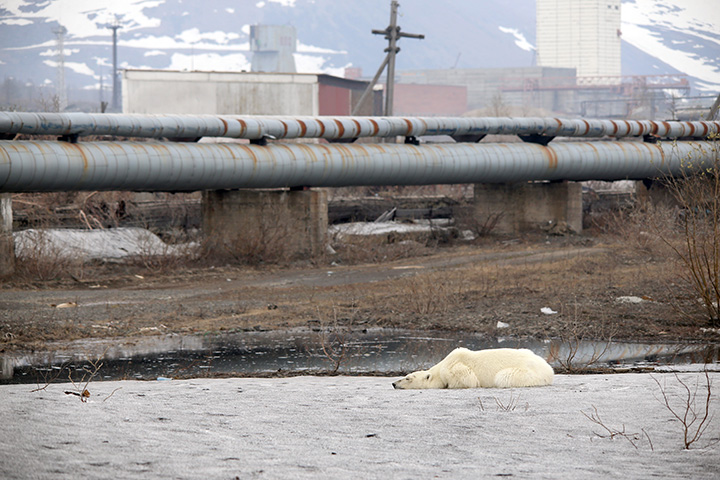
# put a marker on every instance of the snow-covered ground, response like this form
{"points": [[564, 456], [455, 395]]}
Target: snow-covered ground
{"points": [[118, 243], [101, 244], [584, 426], [383, 228]]}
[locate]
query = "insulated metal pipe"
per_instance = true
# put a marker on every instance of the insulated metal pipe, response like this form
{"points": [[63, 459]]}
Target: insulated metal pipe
{"points": [[27, 166], [256, 127]]}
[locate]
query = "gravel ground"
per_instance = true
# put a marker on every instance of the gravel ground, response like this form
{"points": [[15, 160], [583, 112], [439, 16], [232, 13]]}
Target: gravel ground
{"points": [[355, 427], [464, 289]]}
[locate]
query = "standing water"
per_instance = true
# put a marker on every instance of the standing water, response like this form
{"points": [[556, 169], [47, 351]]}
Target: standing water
{"points": [[372, 351]]}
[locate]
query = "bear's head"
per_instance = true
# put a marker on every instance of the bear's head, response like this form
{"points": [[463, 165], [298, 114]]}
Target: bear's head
{"points": [[421, 379]]}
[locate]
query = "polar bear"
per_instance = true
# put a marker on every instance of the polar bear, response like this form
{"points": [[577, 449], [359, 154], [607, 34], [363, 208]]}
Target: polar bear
{"points": [[498, 368]]}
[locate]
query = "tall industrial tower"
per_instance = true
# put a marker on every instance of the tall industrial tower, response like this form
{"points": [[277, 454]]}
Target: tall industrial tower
{"points": [[61, 90], [273, 47], [580, 34], [115, 79]]}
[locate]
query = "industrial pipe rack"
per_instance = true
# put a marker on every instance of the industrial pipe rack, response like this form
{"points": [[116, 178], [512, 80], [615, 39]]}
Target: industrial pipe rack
{"points": [[42, 165], [73, 125], [27, 166]]}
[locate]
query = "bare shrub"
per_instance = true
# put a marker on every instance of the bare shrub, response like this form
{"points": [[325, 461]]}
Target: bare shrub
{"points": [[481, 224], [161, 257], [613, 432], [508, 406], [428, 294], [640, 227], [698, 197], [333, 339], [74, 209], [358, 249], [691, 410], [577, 334], [40, 259], [79, 381]]}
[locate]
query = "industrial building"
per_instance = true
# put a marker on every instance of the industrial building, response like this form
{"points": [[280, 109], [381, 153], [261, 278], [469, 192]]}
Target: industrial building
{"points": [[273, 47], [580, 34], [577, 71], [543, 91], [484, 84], [235, 93]]}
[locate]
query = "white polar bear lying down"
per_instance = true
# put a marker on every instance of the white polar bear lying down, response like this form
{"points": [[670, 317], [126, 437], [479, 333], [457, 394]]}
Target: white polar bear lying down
{"points": [[498, 368]]}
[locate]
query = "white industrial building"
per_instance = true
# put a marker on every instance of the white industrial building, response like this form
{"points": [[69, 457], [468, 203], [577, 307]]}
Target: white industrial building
{"points": [[236, 93], [579, 34]]}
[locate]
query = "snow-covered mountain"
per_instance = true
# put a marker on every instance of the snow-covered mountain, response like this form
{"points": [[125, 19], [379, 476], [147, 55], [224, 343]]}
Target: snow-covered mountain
{"points": [[659, 36]]}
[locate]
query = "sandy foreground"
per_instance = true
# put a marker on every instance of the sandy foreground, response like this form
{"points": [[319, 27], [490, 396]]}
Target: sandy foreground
{"points": [[355, 427]]}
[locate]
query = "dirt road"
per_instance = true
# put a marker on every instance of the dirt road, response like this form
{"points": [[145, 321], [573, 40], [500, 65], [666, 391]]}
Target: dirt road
{"points": [[464, 289]]}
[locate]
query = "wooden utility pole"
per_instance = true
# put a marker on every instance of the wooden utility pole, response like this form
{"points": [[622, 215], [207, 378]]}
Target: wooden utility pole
{"points": [[392, 34], [714, 109]]}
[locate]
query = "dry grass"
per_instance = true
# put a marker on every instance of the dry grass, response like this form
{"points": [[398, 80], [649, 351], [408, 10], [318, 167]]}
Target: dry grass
{"points": [[355, 250], [511, 285]]}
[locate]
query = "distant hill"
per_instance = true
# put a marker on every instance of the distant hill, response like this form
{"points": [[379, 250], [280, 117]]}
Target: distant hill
{"points": [[660, 36]]}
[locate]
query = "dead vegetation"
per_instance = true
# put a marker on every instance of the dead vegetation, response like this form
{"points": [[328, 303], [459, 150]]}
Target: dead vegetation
{"points": [[691, 407], [499, 287], [611, 432], [78, 376]]}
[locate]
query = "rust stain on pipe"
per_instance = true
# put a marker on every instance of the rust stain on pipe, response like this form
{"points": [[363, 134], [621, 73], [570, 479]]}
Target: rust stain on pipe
{"points": [[322, 128], [552, 158], [358, 128], [692, 128], [376, 128], [653, 128], [409, 125], [587, 127], [341, 128]]}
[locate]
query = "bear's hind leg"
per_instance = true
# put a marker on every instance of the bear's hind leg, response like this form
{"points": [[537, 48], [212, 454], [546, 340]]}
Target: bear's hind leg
{"points": [[518, 377]]}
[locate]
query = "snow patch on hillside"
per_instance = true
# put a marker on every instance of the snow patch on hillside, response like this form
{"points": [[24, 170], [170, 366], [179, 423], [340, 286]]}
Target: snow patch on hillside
{"points": [[698, 54], [83, 18], [520, 39]]}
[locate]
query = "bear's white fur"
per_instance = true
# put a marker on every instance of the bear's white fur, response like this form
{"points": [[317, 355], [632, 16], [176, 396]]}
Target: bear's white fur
{"points": [[493, 368]]}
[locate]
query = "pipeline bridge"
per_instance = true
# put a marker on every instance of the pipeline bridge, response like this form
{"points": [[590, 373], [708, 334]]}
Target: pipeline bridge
{"points": [[525, 183]]}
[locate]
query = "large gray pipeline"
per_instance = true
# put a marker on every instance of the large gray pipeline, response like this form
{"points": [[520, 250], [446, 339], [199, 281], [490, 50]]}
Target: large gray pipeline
{"points": [[256, 127], [27, 166]]}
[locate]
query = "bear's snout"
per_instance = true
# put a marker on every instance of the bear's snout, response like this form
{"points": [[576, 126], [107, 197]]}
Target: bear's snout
{"points": [[395, 385]]}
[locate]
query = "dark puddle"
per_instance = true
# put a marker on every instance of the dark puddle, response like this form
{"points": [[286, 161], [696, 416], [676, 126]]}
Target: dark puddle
{"points": [[379, 351]]}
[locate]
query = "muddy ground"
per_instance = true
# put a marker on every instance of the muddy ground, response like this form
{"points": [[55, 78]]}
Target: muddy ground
{"points": [[494, 286]]}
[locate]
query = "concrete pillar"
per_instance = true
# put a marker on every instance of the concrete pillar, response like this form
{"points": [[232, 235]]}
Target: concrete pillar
{"points": [[512, 208], [266, 225], [7, 246]]}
